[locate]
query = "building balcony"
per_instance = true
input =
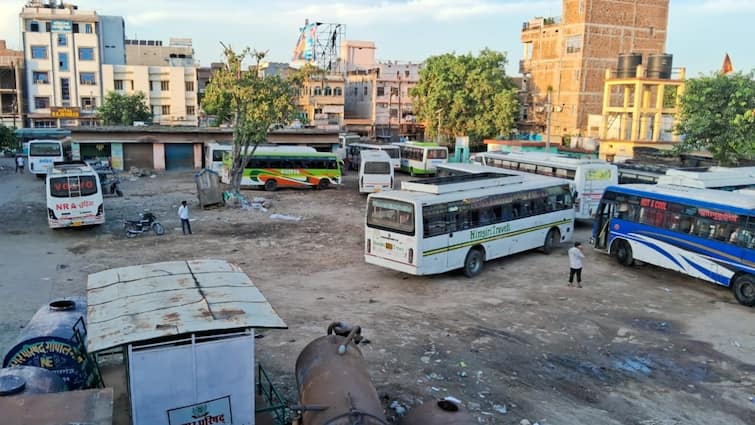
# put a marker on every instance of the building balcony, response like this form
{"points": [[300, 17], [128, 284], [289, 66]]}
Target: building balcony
{"points": [[540, 22]]}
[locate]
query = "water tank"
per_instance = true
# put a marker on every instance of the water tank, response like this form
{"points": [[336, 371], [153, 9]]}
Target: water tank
{"points": [[659, 66], [29, 380], [627, 67]]}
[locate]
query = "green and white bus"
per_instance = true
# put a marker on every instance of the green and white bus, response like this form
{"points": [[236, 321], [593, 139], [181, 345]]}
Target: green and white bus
{"points": [[459, 222], [421, 158], [271, 168]]}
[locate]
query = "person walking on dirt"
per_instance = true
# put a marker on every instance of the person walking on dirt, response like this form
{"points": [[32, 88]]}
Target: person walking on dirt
{"points": [[575, 264], [20, 164], [183, 213]]}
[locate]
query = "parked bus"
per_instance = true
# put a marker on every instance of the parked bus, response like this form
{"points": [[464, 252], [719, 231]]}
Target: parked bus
{"points": [[720, 178], [419, 158], [590, 176], [214, 153], [43, 153], [447, 223], [74, 195], [353, 152], [272, 168], [704, 233], [375, 172]]}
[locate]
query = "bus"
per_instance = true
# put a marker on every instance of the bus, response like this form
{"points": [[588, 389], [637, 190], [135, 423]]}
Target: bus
{"points": [[353, 150], [375, 172], [272, 168], [214, 153], [420, 158], [704, 233], [74, 195], [43, 153], [590, 176], [447, 223], [720, 178], [451, 169]]}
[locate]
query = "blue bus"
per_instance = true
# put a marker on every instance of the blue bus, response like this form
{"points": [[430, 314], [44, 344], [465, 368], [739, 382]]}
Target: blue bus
{"points": [[704, 233]]}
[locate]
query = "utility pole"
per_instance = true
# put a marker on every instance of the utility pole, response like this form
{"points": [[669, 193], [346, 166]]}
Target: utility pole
{"points": [[437, 135], [548, 109]]}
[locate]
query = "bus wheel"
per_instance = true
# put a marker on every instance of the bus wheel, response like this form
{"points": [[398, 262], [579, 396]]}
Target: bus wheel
{"points": [[624, 253], [744, 289], [473, 263], [324, 183], [271, 185], [551, 239]]}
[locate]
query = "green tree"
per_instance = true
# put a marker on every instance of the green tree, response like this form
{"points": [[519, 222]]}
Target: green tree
{"points": [[8, 138], [251, 103], [124, 109], [466, 95], [718, 114]]}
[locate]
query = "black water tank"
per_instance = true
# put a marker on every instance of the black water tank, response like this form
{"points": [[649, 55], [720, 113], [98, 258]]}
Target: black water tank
{"points": [[628, 62], [659, 66]]}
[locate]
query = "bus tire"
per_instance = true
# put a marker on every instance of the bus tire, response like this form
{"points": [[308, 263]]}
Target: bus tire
{"points": [[271, 185], [624, 253], [551, 239], [158, 229], [744, 289], [323, 184], [474, 262]]}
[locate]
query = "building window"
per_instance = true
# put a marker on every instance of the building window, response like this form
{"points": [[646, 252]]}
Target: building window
{"points": [[381, 91], [528, 51], [328, 91], [62, 39], [189, 110], [38, 52], [41, 77], [406, 73], [65, 89], [337, 91], [88, 28], [190, 86], [44, 124], [131, 83], [33, 26], [155, 110], [41, 102], [165, 109], [88, 79], [365, 90], [394, 113], [63, 61], [88, 103], [152, 85], [86, 53], [75, 28], [318, 91], [574, 44], [165, 85], [356, 91], [118, 84]]}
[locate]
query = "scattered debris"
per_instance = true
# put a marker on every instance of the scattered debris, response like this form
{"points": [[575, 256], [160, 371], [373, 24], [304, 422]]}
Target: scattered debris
{"points": [[501, 408], [398, 408], [284, 217]]}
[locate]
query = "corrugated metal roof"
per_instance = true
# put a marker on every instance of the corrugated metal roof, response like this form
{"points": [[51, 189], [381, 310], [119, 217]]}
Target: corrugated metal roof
{"points": [[139, 303]]}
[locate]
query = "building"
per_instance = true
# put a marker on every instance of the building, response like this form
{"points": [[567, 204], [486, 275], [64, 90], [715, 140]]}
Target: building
{"points": [[178, 52], [321, 101], [565, 59], [280, 69], [11, 86]]}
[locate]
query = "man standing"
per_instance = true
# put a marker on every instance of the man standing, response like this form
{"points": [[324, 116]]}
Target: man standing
{"points": [[575, 263], [183, 213], [20, 164]]}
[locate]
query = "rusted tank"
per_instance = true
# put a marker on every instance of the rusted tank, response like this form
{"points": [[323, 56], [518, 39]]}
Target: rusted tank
{"points": [[47, 341], [29, 380], [333, 383], [442, 412]]}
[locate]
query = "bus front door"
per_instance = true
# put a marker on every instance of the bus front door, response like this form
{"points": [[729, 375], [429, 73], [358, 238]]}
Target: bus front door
{"points": [[600, 227]]}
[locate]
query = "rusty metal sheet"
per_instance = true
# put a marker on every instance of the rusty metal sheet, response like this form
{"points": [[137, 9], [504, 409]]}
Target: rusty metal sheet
{"points": [[91, 407], [139, 303]]}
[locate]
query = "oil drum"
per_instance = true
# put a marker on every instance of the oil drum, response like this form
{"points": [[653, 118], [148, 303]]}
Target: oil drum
{"points": [[29, 380], [442, 412]]}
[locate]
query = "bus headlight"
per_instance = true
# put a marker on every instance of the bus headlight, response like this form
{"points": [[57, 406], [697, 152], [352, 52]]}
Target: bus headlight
{"points": [[51, 214], [411, 255]]}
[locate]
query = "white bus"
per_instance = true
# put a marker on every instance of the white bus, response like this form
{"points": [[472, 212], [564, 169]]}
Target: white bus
{"points": [[451, 169], [74, 195], [719, 178], [590, 176], [353, 153], [43, 153], [459, 222], [375, 172], [421, 158]]}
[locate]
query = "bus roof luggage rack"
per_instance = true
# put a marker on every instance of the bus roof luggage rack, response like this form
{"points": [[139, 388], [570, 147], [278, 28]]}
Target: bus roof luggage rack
{"points": [[438, 185], [63, 167]]}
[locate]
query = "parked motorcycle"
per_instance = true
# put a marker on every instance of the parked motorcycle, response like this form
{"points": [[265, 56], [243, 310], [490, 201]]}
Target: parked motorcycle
{"points": [[147, 221]]}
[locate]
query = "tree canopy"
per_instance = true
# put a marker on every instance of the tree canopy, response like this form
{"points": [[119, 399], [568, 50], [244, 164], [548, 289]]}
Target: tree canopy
{"points": [[8, 138], [718, 114], [466, 95], [124, 109], [252, 104]]}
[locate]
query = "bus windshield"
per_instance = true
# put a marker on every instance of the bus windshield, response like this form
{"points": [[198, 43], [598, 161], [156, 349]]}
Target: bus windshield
{"points": [[61, 187], [377, 167], [437, 154], [393, 153], [388, 214], [45, 149]]}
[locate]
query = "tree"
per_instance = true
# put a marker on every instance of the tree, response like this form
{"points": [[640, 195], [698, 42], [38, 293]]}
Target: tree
{"points": [[718, 114], [253, 105], [8, 138], [124, 109], [466, 95]]}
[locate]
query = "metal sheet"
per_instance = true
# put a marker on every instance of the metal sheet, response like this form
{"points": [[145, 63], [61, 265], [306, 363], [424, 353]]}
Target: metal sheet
{"points": [[179, 156], [140, 303], [91, 407]]}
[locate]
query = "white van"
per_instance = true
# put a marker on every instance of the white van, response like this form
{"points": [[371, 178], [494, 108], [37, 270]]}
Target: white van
{"points": [[375, 171]]}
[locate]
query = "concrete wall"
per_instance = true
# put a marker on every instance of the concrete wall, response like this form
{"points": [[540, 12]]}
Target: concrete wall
{"points": [[112, 37]]}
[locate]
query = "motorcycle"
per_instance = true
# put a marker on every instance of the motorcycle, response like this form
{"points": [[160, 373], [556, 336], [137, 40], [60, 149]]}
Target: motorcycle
{"points": [[147, 221]]}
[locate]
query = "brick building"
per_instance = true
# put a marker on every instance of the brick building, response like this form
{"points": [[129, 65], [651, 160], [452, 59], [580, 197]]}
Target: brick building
{"points": [[11, 97]]}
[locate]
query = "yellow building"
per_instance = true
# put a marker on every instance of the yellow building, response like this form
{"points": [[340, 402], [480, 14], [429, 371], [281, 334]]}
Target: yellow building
{"points": [[321, 101]]}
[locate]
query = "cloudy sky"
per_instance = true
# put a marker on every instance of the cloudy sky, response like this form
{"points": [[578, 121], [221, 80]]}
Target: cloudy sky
{"points": [[700, 31]]}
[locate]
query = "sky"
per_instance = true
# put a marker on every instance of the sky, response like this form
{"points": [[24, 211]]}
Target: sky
{"points": [[700, 32]]}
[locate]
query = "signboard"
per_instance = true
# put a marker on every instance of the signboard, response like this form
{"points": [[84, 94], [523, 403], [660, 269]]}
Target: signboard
{"points": [[116, 156], [61, 26], [64, 112], [305, 46], [216, 411]]}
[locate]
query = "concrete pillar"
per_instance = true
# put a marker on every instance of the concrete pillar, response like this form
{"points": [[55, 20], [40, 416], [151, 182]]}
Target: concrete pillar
{"points": [[197, 156], [606, 104], [635, 131], [158, 156], [658, 115]]}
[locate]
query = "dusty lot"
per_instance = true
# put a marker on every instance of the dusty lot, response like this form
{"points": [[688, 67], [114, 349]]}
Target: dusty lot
{"points": [[635, 346]]}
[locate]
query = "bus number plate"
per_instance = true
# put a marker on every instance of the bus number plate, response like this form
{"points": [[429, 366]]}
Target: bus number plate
{"points": [[76, 223], [388, 245]]}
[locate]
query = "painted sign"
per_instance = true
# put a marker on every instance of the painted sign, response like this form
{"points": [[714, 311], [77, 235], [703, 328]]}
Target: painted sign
{"points": [[61, 26], [55, 355], [598, 174], [116, 156], [64, 112], [209, 412]]}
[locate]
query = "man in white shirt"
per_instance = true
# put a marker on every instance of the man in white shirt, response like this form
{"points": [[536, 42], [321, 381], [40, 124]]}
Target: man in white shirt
{"points": [[183, 213], [575, 263]]}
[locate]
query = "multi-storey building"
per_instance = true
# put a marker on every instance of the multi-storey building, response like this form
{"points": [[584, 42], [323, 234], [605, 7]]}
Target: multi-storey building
{"points": [[565, 59], [11, 83], [321, 101], [178, 52]]}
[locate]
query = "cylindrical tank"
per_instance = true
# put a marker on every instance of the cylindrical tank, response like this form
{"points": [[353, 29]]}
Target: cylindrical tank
{"points": [[659, 66], [47, 342], [627, 67], [29, 380], [442, 412], [334, 385]]}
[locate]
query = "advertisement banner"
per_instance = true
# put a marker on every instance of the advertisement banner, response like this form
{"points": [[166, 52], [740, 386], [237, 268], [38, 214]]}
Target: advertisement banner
{"points": [[305, 46], [116, 156]]}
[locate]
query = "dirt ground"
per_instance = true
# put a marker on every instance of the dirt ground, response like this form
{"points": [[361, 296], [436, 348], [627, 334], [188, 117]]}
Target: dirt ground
{"points": [[635, 346]]}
